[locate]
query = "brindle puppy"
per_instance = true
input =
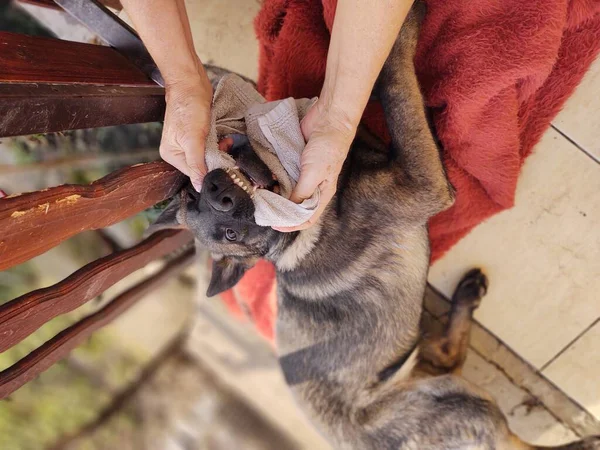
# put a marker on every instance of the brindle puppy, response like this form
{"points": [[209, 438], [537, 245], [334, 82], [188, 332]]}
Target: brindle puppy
{"points": [[350, 289]]}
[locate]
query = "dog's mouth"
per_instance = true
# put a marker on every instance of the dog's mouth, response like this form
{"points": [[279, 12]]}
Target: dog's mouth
{"points": [[250, 172]]}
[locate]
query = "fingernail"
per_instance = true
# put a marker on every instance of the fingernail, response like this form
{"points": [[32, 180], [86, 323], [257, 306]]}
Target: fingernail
{"points": [[197, 185]]}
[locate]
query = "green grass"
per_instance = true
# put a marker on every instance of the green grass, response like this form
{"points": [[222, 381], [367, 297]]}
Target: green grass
{"points": [[62, 400]]}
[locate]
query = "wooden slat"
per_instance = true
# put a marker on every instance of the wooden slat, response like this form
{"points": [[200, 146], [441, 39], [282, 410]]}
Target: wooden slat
{"points": [[27, 108], [33, 59], [60, 345], [35, 222], [84, 161], [43, 3], [24, 315]]}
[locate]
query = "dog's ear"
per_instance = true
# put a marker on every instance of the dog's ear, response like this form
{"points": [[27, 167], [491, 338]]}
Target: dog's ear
{"points": [[170, 218], [226, 272]]}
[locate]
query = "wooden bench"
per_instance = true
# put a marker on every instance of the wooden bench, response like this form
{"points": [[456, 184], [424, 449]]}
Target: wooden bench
{"points": [[49, 85]]}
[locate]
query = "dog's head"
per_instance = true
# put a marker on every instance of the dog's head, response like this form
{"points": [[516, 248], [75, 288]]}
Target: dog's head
{"points": [[221, 217]]}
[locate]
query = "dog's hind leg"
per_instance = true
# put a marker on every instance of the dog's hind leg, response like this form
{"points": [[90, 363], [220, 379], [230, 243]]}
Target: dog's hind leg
{"points": [[416, 157], [446, 353]]}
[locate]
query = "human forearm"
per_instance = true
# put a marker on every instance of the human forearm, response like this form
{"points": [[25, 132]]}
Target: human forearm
{"points": [[164, 27], [362, 36]]}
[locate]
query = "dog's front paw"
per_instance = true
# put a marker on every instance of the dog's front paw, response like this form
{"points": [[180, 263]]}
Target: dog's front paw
{"points": [[471, 289]]}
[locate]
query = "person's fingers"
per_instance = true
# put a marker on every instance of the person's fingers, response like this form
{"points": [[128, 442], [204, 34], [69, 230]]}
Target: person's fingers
{"points": [[186, 127], [310, 178], [327, 193], [175, 157], [194, 147]]}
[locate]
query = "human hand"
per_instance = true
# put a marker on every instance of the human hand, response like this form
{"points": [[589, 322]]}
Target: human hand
{"points": [[328, 133], [186, 126]]}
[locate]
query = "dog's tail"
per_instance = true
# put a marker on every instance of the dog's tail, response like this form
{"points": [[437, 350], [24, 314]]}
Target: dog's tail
{"points": [[589, 443]]}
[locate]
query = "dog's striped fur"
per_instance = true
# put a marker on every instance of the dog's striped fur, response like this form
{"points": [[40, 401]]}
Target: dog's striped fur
{"points": [[350, 292]]}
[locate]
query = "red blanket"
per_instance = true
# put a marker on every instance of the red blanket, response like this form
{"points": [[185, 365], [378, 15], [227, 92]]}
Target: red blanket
{"points": [[495, 73]]}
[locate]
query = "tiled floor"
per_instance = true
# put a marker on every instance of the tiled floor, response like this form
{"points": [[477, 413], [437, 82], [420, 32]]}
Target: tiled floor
{"points": [[577, 370], [540, 325], [540, 256], [580, 118], [543, 255]]}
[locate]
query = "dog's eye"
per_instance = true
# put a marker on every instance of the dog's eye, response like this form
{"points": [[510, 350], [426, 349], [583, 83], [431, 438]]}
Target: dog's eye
{"points": [[230, 235]]}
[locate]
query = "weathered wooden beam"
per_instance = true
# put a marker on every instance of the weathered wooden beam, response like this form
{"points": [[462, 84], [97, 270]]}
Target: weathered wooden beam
{"points": [[27, 108], [49, 85], [24, 315], [35, 222], [81, 161], [60, 345], [43, 3], [34, 59]]}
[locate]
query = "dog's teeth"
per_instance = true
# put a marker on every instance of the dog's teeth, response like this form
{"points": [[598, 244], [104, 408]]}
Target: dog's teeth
{"points": [[245, 188]]}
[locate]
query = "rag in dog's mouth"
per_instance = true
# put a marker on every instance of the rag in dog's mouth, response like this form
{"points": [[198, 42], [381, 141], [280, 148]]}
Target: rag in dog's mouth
{"points": [[250, 172]]}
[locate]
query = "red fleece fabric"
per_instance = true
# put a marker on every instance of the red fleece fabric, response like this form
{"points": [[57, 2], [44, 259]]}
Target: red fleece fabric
{"points": [[494, 73]]}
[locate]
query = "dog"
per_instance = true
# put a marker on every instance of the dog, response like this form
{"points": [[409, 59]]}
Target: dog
{"points": [[351, 288]]}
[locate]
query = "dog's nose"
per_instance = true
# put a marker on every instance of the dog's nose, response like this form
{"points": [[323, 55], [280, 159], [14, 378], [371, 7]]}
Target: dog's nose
{"points": [[218, 188]]}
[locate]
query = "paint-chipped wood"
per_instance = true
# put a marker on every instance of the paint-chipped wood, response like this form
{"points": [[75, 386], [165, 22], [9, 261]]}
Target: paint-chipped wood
{"points": [[35, 222], [33, 59], [24, 315], [27, 108], [60, 345]]}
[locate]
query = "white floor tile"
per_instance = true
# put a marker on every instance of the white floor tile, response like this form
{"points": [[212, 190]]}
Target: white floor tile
{"points": [[526, 418], [580, 118], [542, 257], [577, 371]]}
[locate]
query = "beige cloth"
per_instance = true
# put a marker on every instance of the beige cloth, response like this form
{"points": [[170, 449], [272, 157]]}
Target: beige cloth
{"points": [[273, 130]]}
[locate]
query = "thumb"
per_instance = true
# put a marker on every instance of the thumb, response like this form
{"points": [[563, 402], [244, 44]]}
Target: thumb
{"points": [[174, 156], [308, 183], [194, 147]]}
